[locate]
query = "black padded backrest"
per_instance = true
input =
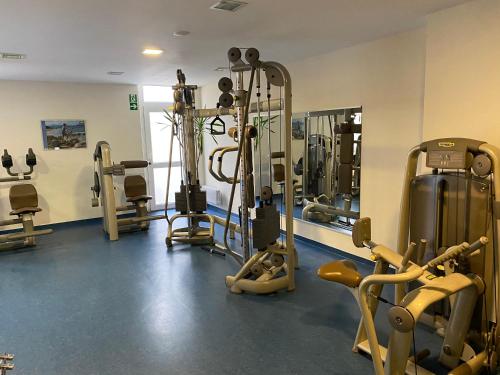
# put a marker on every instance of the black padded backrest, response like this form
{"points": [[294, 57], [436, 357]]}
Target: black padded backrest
{"points": [[278, 172], [22, 196], [134, 186]]}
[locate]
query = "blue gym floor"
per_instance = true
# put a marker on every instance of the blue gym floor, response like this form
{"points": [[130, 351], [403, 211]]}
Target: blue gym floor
{"points": [[80, 304]]}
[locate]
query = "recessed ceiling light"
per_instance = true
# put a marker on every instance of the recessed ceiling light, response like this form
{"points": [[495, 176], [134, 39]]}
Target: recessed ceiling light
{"points": [[12, 56], [181, 33], [152, 52], [112, 73], [221, 69]]}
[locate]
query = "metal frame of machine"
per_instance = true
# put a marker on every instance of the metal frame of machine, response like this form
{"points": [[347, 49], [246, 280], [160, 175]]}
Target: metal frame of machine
{"points": [[24, 204], [190, 201], [6, 363], [103, 188], [465, 275], [271, 268]]}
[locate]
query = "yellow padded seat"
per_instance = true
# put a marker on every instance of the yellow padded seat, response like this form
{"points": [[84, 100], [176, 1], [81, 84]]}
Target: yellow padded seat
{"points": [[341, 271]]}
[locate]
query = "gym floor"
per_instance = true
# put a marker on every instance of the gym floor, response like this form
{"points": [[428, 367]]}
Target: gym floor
{"points": [[80, 304]]}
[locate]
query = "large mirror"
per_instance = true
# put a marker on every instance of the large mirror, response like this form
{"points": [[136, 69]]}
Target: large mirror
{"points": [[327, 158]]}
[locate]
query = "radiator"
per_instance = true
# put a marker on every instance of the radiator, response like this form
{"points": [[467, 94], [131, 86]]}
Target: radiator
{"points": [[214, 196]]}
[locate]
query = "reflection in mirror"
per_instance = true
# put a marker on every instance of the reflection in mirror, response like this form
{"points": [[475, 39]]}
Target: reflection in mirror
{"points": [[327, 160]]}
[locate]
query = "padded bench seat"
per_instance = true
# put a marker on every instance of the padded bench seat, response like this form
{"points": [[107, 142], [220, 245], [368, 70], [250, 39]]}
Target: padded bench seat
{"points": [[139, 198], [23, 199], [341, 271], [25, 210], [135, 189]]}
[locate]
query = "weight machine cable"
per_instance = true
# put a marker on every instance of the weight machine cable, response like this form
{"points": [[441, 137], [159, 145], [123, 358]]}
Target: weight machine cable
{"points": [[269, 132], [167, 191], [281, 150], [259, 136], [489, 342], [236, 170]]}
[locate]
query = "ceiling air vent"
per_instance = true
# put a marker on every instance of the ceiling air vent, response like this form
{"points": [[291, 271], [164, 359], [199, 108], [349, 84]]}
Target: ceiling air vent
{"points": [[228, 5], [12, 56]]}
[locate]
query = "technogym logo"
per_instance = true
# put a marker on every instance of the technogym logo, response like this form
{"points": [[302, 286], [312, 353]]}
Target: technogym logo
{"points": [[446, 144]]}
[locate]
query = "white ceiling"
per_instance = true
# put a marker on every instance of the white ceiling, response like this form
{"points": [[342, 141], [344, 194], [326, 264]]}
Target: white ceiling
{"points": [[81, 40]]}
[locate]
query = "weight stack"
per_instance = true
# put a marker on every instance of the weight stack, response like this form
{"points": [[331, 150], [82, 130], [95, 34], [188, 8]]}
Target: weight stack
{"points": [[197, 199]]}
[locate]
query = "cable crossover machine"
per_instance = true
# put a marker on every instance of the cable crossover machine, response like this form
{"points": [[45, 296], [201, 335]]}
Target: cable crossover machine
{"points": [[266, 256]]}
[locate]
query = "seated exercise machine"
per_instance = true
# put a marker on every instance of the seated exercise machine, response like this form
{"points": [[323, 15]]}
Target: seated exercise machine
{"points": [[135, 192], [447, 277], [24, 204]]}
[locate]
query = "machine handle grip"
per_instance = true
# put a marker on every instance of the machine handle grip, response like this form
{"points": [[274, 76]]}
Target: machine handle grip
{"points": [[421, 251], [408, 254], [451, 253], [455, 251], [134, 164], [477, 245]]}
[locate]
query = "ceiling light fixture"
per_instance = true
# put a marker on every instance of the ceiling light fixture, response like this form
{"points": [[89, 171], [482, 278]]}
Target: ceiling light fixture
{"points": [[113, 73], [181, 33], [152, 52], [228, 5], [221, 68], [12, 56]]}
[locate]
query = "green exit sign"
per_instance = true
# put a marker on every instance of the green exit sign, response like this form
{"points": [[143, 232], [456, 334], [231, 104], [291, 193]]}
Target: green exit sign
{"points": [[132, 99]]}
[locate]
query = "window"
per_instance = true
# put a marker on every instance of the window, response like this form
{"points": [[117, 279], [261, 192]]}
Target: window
{"points": [[157, 94]]}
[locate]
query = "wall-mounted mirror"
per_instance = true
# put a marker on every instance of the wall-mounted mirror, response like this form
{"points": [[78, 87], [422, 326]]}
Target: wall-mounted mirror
{"points": [[327, 160], [326, 149]]}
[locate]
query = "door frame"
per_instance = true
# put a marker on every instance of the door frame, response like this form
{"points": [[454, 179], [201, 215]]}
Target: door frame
{"points": [[147, 108]]}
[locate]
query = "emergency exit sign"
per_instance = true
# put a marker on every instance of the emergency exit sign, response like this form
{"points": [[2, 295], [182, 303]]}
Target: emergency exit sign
{"points": [[132, 99]]}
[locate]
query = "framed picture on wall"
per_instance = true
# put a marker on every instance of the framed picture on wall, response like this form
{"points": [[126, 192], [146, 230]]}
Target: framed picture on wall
{"points": [[298, 128], [63, 134]]}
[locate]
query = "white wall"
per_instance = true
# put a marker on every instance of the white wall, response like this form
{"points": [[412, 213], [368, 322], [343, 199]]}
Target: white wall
{"points": [[63, 178], [386, 77], [462, 94]]}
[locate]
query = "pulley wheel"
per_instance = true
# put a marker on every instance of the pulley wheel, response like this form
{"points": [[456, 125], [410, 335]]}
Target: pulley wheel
{"points": [[257, 269], [234, 54], [481, 165], [225, 84], [226, 100], [277, 260], [252, 55], [266, 193]]}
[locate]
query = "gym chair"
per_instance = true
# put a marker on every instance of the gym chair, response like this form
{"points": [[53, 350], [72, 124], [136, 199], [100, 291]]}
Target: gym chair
{"points": [[24, 204], [136, 194], [134, 187]]}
